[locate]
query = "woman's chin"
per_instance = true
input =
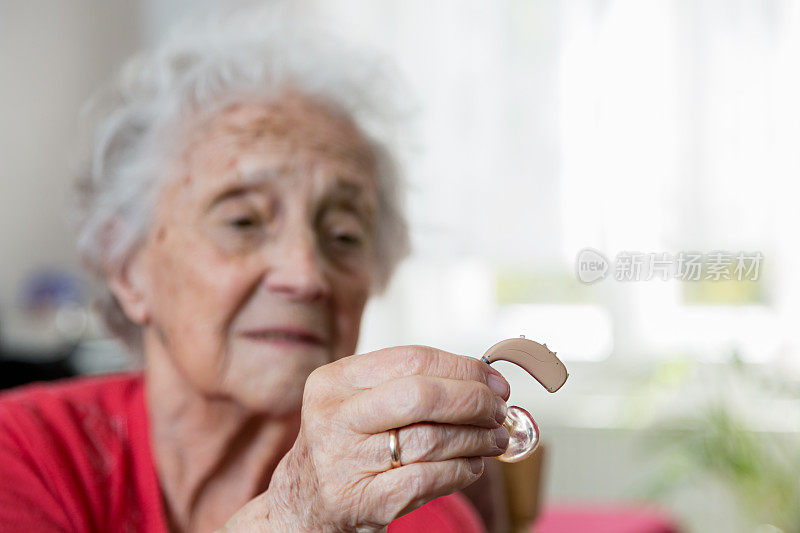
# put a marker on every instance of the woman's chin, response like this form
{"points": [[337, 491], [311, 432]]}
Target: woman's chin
{"points": [[273, 382], [274, 399]]}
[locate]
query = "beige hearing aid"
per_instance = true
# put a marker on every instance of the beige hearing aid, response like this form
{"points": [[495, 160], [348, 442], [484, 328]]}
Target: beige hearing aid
{"points": [[536, 359], [543, 365]]}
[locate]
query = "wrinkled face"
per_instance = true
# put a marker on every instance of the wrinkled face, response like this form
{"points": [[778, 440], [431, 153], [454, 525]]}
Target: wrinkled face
{"points": [[260, 260]]}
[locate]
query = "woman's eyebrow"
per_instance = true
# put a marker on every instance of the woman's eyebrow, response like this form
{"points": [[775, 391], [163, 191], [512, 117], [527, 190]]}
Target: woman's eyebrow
{"points": [[229, 194], [350, 196], [245, 184], [347, 189]]}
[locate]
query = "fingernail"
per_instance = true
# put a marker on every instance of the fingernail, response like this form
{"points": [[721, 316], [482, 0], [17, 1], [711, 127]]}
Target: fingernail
{"points": [[498, 385], [501, 437], [476, 464], [501, 410]]}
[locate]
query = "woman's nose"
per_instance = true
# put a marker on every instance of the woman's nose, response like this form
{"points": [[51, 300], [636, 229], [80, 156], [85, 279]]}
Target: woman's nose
{"points": [[296, 269]]}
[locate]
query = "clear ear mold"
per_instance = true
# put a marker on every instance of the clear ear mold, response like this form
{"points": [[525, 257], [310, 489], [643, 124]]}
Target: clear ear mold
{"points": [[543, 365], [523, 435]]}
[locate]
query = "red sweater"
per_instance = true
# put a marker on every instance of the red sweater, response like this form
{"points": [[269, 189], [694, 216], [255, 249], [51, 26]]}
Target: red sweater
{"points": [[75, 457]]}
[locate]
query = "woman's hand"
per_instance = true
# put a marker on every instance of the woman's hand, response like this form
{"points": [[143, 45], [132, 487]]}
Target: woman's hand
{"points": [[338, 475]]}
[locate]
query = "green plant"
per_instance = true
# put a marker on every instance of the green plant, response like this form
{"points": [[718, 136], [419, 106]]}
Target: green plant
{"points": [[760, 469]]}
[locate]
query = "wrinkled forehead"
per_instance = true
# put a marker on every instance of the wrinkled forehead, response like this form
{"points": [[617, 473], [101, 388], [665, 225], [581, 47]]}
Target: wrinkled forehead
{"points": [[294, 128], [293, 143]]}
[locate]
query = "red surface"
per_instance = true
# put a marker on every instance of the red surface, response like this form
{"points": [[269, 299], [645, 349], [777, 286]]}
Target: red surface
{"points": [[75, 456], [603, 519], [451, 514]]}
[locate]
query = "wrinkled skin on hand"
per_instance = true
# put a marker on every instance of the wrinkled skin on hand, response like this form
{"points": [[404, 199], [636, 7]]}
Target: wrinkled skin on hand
{"points": [[338, 475]]}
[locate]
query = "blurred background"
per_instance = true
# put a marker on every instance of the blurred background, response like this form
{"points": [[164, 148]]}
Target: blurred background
{"points": [[632, 127]]}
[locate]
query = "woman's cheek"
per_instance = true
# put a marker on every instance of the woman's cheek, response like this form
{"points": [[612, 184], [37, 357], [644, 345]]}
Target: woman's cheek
{"points": [[223, 289], [348, 314], [198, 291]]}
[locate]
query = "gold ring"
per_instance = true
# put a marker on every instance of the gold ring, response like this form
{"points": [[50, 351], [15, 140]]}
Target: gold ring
{"points": [[394, 448]]}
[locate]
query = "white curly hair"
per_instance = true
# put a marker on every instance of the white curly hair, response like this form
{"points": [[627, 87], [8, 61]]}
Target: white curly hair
{"points": [[256, 51]]}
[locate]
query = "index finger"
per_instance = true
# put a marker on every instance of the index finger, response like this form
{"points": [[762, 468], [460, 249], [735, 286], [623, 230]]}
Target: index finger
{"points": [[369, 370]]}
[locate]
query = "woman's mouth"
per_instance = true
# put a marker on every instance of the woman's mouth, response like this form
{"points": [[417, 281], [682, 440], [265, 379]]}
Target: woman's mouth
{"points": [[284, 337]]}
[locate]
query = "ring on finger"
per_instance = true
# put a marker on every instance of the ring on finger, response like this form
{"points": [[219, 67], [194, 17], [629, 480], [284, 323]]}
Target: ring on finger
{"points": [[394, 448]]}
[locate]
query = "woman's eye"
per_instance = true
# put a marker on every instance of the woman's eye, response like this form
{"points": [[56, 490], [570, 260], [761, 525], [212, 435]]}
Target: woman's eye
{"points": [[243, 223], [342, 233], [348, 239]]}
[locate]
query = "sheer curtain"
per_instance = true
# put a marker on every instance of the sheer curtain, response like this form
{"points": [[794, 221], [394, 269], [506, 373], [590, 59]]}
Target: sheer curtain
{"points": [[679, 124], [622, 125]]}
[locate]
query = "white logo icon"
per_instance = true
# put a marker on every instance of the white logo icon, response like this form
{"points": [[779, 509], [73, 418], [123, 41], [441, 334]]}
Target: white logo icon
{"points": [[591, 265]]}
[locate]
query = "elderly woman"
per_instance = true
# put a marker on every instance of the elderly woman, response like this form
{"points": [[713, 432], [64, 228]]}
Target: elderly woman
{"points": [[242, 215]]}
